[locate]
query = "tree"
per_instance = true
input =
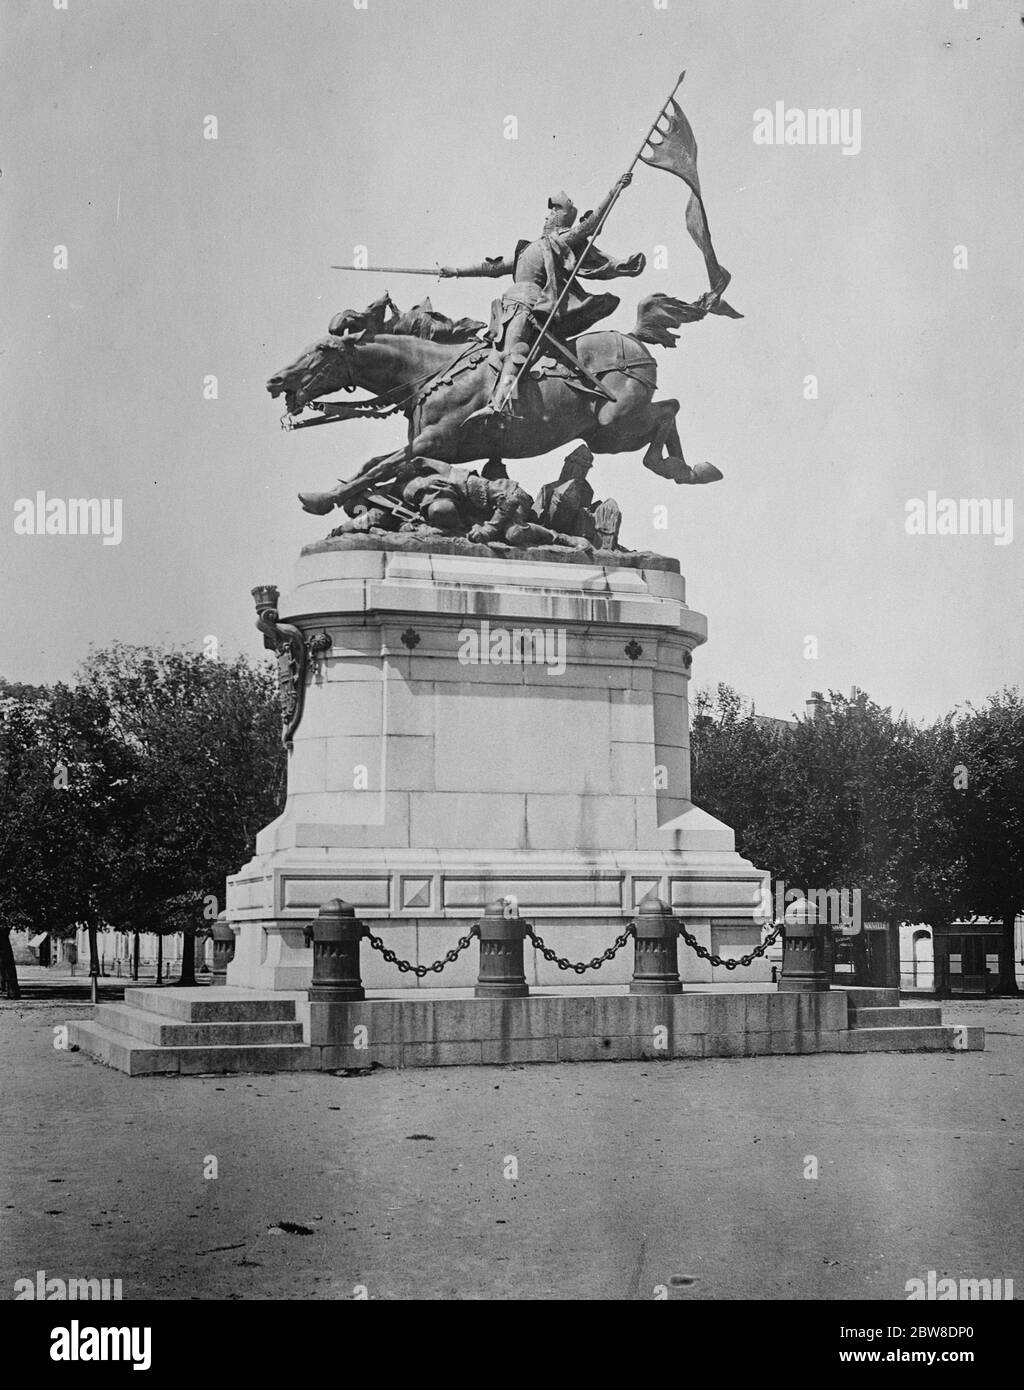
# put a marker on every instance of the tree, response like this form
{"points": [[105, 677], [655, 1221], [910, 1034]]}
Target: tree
{"points": [[987, 791], [59, 773], [740, 773], [16, 742], [130, 796], [857, 798], [787, 789], [209, 773]]}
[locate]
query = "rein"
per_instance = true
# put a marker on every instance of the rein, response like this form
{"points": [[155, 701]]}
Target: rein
{"points": [[381, 407], [377, 409]]}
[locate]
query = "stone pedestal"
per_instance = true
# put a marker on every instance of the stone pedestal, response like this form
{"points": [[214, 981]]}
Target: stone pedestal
{"points": [[482, 727]]}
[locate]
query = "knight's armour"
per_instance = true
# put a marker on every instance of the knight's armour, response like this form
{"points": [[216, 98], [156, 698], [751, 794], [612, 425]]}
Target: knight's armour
{"points": [[533, 267], [509, 506], [540, 269], [493, 504]]}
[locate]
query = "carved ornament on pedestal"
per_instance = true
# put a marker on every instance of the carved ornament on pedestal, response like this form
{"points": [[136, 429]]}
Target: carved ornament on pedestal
{"points": [[294, 655]]}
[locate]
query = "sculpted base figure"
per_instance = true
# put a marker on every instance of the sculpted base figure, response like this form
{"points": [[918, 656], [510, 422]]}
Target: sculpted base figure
{"points": [[432, 497]]}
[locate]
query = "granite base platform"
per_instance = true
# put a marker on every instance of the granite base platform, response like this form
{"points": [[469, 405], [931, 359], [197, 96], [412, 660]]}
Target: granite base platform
{"points": [[220, 1030]]}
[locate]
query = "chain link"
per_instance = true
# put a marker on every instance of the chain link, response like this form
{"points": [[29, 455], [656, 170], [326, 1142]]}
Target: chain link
{"points": [[405, 966], [578, 965], [705, 954]]}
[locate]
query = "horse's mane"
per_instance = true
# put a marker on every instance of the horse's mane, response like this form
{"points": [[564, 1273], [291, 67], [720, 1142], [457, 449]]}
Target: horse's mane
{"points": [[421, 321]]}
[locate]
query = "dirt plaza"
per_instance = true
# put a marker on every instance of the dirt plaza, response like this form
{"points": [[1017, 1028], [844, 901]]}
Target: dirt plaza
{"points": [[612, 1181]]}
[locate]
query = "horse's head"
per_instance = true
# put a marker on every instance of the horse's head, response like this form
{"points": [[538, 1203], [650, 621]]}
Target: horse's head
{"points": [[325, 367]]}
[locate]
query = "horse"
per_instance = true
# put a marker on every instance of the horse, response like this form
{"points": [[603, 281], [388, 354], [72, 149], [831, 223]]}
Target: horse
{"points": [[438, 384]]}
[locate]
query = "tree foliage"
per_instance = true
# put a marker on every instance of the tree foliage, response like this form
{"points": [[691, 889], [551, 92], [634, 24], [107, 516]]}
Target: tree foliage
{"points": [[926, 820], [127, 798]]}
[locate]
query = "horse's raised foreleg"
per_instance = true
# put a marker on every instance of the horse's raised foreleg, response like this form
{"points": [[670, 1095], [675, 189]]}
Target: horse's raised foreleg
{"points": [[432, 441]]}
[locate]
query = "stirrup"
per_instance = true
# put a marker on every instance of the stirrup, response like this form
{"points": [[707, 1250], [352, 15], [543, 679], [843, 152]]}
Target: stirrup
{"points": [[492, 412]]}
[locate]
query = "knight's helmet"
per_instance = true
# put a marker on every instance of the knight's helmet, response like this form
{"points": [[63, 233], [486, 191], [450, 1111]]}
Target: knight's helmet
{"points": [[577, 464], [561, 213]]}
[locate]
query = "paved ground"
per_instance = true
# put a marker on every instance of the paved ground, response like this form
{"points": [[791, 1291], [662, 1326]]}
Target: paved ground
{"points": [[52, 982], [628, 1174]]}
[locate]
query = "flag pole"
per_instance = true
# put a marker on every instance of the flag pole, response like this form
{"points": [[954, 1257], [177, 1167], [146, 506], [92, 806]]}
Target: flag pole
{"points": [[586, 250], [654, 125]]}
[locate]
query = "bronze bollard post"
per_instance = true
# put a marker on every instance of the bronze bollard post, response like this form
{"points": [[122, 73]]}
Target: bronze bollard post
{"points": [[804, 962], [223, 949], [336, 937], [502, 932], [656, 954]]}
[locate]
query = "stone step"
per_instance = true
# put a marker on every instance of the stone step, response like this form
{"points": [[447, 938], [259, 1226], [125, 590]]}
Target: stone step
{"points": [[162, 1032], [867, 997], [139, 1058], [946, 1039], [213, 1004], [120, 1051], [927, 1016]]}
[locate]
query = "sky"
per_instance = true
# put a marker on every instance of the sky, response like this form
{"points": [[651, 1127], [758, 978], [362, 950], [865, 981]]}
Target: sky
{"points": [[890, 275]]}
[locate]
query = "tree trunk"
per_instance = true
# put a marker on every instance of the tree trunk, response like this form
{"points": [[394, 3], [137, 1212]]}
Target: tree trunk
{"points": [[135, 956], [94, 963], [1007, 974], [188, 957], [8, 970], [159, 958]]}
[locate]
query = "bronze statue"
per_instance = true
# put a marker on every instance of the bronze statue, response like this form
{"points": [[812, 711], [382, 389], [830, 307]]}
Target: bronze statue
{"points": [[520, 390], [438, 386]]}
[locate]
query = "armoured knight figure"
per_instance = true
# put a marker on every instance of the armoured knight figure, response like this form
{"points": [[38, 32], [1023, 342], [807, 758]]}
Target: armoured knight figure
{"points": [[567, 507], [540, 270], [428, 495], [454, 499]]}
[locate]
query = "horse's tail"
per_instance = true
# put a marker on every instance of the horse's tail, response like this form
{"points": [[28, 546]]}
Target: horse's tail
{"points": [[656, 314]]}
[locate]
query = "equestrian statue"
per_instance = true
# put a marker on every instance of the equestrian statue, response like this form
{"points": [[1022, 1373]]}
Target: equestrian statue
{"points": [[537, 378]]}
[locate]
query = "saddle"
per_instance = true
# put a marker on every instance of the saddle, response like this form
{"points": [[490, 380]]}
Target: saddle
{"points": [[549, 355]]}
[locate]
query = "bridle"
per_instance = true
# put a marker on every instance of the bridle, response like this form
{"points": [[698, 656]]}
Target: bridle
{"points": [[403, 398]]}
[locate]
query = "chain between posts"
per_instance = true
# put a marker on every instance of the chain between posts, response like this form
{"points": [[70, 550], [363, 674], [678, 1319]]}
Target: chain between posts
{"points": [[405, 966], [578, 965], [748, 959]]}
